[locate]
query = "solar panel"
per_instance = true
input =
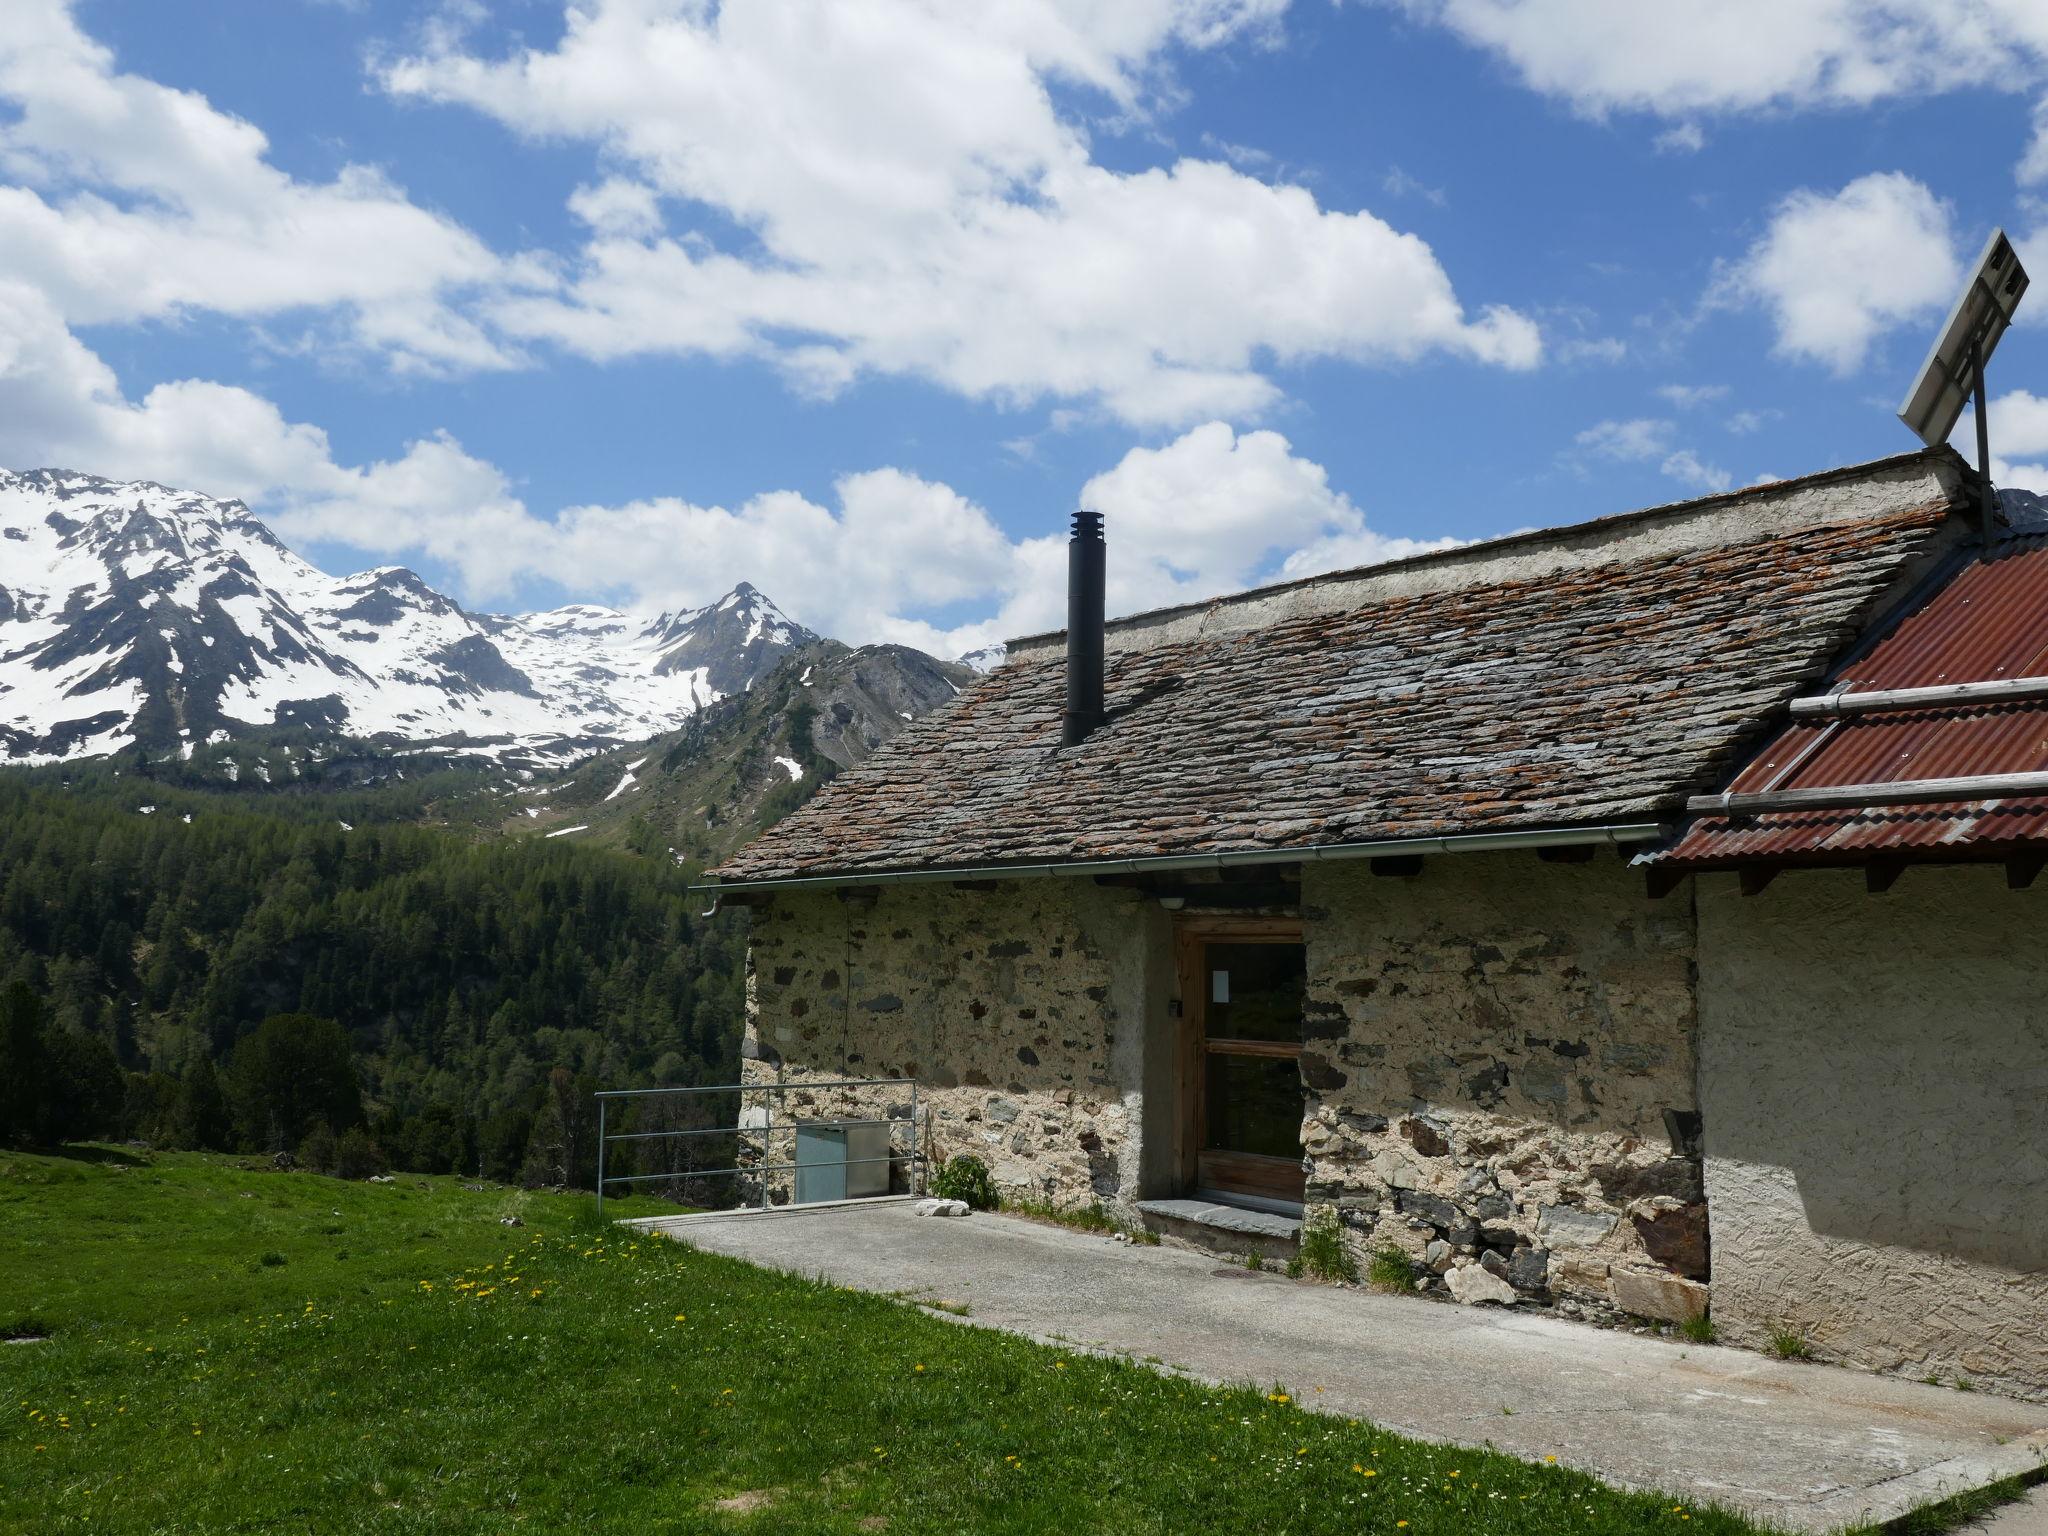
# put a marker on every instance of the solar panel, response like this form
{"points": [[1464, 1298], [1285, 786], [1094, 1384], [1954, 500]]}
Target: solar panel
{"points": [[1974, 327]]}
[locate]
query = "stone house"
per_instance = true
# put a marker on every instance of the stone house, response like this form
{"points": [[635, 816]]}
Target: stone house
{"points": [[1577, 912]]}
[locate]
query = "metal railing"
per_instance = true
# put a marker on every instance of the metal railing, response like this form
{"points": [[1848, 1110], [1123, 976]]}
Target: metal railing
{"points": [[913, 1160]]}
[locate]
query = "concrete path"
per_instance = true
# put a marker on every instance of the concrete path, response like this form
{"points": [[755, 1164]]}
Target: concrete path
{"points": [[1805, 1447], [2023, 1517]]}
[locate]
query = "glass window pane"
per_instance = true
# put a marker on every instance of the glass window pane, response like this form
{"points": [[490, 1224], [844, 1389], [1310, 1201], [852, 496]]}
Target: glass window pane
{"points": [[1255, 991], [1254, 1105]]}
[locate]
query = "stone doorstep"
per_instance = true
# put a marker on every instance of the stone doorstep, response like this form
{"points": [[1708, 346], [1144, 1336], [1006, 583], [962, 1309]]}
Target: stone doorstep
{"points": [[1225, 1229]]}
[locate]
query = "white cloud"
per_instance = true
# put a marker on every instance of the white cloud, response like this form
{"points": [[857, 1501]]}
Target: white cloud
{"points": [[1398, 183], [2019, 427], [1212, 511], [1649, 439], [916, 203], [1681, 61], [2032, 249], [1685, 139], [1633, 441], [1838, 270], [617, 206], [1594, 349], [1686, 467], [1690, 396], [2033, 167], [1209, 512], [910, 200], [61, 407], [1742, 423], [138, 202]]}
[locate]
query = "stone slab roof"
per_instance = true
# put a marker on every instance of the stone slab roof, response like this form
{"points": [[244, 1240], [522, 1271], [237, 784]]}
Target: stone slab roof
{"points": [[1581, 676]]}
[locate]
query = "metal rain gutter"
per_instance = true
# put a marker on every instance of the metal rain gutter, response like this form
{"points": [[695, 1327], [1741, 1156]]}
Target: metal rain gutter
{"points": [[2003, 690], [1614, 834], [1989, 786]]}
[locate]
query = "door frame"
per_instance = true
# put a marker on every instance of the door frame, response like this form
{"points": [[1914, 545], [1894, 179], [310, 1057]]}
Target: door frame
{"points": [[1190, 933]]}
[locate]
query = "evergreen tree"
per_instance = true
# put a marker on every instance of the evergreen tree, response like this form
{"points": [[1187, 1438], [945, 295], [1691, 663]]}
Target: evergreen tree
{"points": [[24, 1066], [462, 973], [86, 1091], [201, 1119], [318, 1150], [151, 1109], [356, 1156], [293, 1073]]}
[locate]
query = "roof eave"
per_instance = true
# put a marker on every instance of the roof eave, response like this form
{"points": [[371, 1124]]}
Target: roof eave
{"points": [[1604, 834]]}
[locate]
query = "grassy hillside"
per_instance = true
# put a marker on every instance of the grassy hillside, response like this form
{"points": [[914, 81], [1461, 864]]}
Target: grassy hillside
{"points": [[255, 1351]]}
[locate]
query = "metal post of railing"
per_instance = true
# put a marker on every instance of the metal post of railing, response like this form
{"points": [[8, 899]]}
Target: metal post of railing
{"points": [[916, 1170], [600, 1159], [767, 1129]]}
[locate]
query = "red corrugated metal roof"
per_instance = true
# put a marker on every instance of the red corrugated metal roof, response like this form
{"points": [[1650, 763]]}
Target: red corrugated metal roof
{"points": [[1987, 622]]}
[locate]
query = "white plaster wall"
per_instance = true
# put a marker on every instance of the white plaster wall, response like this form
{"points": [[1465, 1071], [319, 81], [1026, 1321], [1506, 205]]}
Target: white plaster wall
{"points": [[1874, 1080]]}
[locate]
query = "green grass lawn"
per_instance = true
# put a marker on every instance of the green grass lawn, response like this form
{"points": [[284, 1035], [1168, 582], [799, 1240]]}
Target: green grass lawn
{"points": [[256, 1351]]}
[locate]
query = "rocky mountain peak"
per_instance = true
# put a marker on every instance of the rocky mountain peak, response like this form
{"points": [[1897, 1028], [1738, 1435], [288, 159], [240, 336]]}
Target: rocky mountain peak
{"points": [[135, 614]]}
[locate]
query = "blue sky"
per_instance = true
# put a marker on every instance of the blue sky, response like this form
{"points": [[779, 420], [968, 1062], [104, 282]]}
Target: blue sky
{"points": [[856, 298]]}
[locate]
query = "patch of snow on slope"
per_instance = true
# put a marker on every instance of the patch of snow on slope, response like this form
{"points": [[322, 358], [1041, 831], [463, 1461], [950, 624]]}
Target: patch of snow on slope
{"points": [[565, 831], [794, 768]]}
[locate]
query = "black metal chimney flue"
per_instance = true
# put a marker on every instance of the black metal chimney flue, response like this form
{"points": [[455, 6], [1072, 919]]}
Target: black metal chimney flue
{"points": [[1086, 558]]}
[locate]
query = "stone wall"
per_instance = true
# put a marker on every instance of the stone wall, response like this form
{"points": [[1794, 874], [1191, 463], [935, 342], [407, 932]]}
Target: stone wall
{"points": [[1500, 1078], [1021, 1010], [1874, 1072]]}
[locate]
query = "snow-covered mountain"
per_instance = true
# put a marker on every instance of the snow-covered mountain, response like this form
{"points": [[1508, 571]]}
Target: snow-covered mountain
{"points": [[130, 613]]}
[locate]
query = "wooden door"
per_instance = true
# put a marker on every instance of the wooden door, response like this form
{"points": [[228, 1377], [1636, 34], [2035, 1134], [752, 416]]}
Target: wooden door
{"points": [[1242, 984]]}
